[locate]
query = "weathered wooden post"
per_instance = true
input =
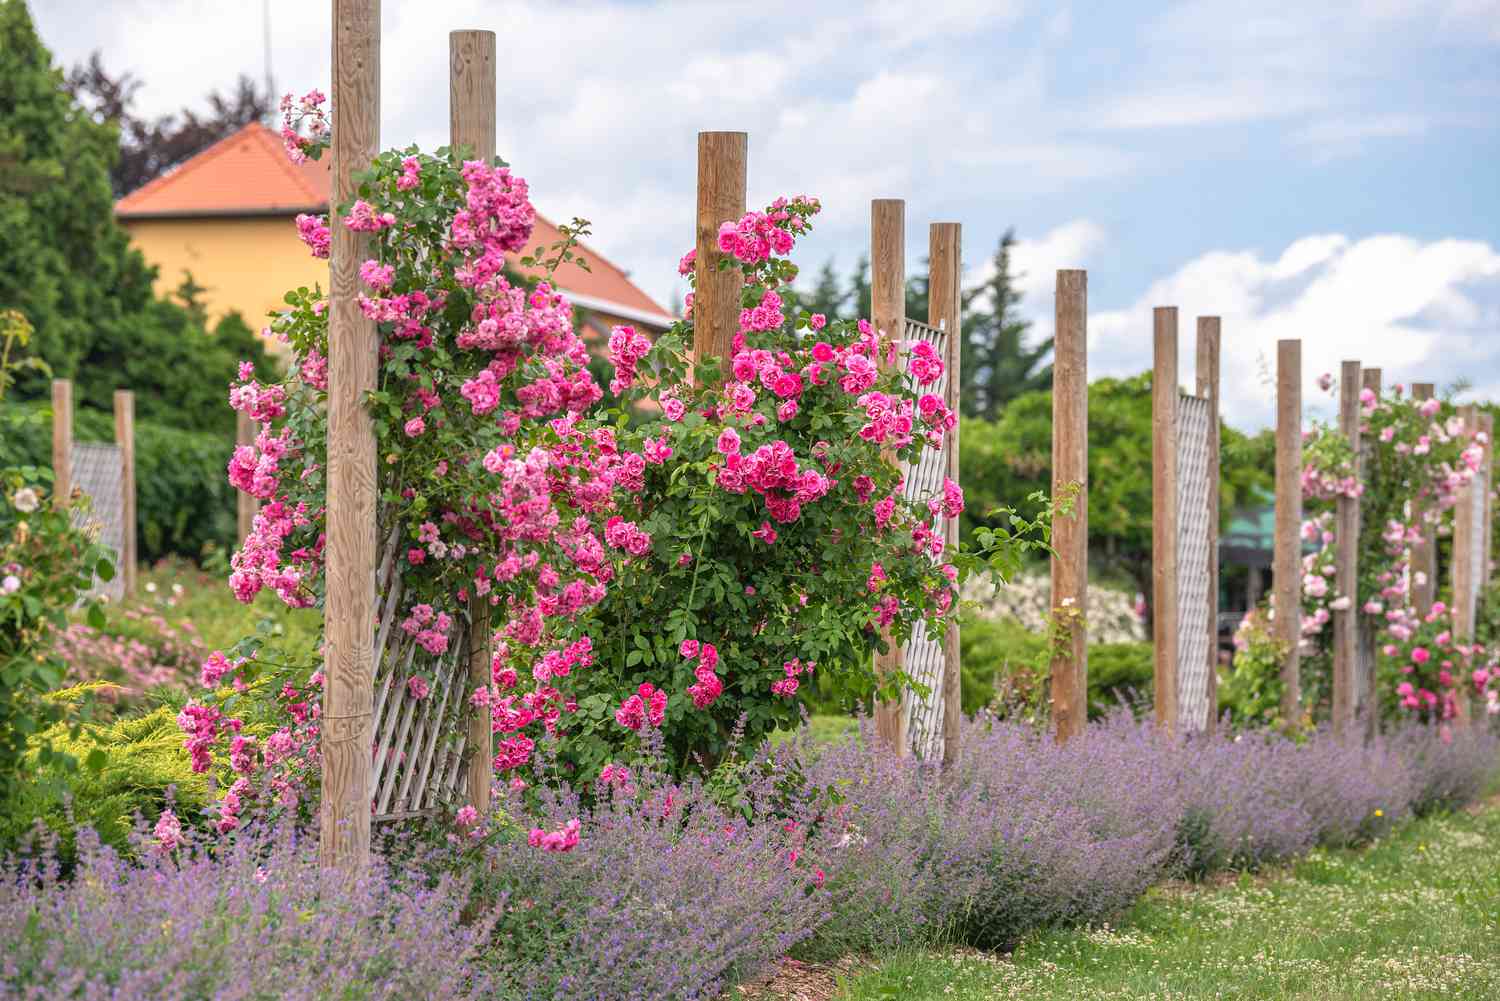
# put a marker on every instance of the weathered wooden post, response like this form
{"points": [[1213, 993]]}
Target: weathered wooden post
{"points": [[125, 440], [888, 314], [248, 505], [1286, 572], [349, 609], [1346, 620], [1164, 514], [1423, 552], [1468, 540], [471, 126], [1365, 704], [1207, 365], [1070, 467], [62, 441], [722, 171], [945, 311]]}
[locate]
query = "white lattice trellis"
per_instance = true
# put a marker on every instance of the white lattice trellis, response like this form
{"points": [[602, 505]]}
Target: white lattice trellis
{"points": [[418, 753], [98, 471], [924, 658], [1193, 540]]}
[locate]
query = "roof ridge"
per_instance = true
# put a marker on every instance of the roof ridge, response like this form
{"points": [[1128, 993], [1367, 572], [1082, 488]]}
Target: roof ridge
{"points": [[264, 135], [192, 163]]}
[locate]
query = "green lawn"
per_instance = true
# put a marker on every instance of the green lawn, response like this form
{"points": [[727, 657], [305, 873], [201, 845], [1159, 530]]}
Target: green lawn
{"points": [[1415, 916]]}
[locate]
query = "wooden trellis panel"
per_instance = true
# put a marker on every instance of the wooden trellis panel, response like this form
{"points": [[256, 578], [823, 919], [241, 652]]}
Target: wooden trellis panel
{"points": [[923, 658], [1195, 537]]}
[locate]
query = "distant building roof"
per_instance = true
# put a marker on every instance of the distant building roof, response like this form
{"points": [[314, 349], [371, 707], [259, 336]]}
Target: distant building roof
{"points": [[248, 174]]}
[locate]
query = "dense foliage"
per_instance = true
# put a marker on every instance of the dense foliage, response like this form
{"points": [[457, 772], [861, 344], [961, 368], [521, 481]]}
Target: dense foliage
{"points": [[67, 267], [1008, 459]]}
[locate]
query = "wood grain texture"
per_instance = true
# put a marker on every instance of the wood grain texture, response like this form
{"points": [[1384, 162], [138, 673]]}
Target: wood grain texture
{"points": [[471, 125], [945, 310], [1365, 705], [62, 441], [125, 440], [1424, 551], [349, 611], [1164, 514], [1465, 573], [246, 505], [723, 159], [1207, 364], [1070, 466], [888, 314], [1346, 563], [1286, 566], [1487, 472]]}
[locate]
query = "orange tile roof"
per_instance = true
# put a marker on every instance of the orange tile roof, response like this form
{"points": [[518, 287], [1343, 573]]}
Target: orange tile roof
{"points": [[248, 173]]}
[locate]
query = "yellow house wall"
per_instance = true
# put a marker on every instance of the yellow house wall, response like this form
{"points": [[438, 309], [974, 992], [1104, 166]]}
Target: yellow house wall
{"points": [[245, 264]]}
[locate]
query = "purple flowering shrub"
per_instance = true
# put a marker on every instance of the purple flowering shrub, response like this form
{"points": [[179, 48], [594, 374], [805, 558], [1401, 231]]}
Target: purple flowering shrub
{"points": [[655, 887], [667, 893], [253, 918]]}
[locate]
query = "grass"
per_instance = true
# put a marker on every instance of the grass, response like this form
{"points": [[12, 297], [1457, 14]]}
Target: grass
{"points": [[1417, 915], [180, 591]]}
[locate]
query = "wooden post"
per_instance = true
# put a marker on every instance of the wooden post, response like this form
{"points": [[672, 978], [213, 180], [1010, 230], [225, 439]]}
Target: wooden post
{"points": [[349, 612], [125, 439], [945, 311], [888, 309], [722, 170], [1465, 572], [471, 126], [1365, 705], [1070, 466], [1486, 494], [1208, 388], [248, 505], [1164, 392], [1346, 622], [1286, 567], [62, 441], [1423, 552]]}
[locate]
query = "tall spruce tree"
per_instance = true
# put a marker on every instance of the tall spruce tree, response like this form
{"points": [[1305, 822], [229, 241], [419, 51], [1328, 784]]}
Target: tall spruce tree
{"points": [[997, 361]]}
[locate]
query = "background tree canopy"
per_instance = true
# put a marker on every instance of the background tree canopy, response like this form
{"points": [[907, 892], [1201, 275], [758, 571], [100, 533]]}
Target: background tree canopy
{"points": [[1003, 461], [68, 267]]}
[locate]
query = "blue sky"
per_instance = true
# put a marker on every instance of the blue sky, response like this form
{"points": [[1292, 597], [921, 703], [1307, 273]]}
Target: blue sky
{"points": [[1324, 171]]}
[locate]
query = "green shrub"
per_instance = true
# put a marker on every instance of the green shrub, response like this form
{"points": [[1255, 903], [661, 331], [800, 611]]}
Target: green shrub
{"points": [[143, 760], [1000, 657], [184, 503]]}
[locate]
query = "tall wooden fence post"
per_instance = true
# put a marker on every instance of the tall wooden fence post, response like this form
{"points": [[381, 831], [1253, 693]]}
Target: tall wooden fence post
{"points": [[1346, 620], [248, 505], [1286, 571], [471, 126], [1423, 567], [1070, 467], [1365, 700], [125, 440], [1468, 538], [945, 311], [888, 314], [1164, 392], [1207, 365], [349, 611], [62, 441], [722, 171]]}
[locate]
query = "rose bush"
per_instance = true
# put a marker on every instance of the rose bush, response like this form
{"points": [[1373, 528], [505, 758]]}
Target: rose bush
{"points": [[1416, 457], [684, 574]]}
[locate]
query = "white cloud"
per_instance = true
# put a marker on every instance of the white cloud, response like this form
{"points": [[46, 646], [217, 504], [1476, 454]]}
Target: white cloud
{"points": [[1419, 310]]}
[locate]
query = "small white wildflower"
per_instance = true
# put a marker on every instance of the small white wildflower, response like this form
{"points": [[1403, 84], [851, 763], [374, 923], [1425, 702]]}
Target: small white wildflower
{"points": [[150, 587], [10, 585], [26, 500]]}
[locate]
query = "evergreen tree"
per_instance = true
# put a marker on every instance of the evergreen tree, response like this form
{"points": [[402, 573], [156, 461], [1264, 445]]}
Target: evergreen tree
{"points": [[998, 364], [68, 267]]}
